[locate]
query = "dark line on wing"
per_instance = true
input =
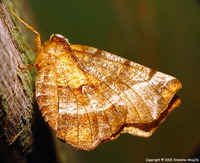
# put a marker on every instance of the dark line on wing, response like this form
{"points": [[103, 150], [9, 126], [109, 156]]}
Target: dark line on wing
{"points": [[105, 113], [95, 111], [110, 101], [129, 101], [138, 96]]}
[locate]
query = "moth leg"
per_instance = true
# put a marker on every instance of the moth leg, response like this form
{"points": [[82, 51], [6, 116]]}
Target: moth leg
{"points": [[37, 39], [26, 67], [29, 47]]}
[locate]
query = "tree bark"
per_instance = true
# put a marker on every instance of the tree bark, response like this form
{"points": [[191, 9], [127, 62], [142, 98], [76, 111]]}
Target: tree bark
{"points": [[24, 136]]}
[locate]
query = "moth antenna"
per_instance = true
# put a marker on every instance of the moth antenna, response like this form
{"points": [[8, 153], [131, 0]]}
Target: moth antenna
{"points": [[37, 39]]}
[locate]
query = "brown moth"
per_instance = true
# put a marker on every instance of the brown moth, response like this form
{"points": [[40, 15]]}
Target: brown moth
{"points": [[89, 96]]}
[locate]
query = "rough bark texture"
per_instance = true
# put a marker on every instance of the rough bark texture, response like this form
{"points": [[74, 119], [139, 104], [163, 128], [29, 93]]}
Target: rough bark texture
{"points": [[23, 135], [15, 89]]}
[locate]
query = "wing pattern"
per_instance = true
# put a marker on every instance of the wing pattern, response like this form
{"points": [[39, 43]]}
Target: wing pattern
{"points": [[100, 95]]}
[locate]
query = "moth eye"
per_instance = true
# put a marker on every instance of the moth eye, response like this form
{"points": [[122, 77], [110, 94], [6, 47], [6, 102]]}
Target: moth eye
{"points": [[53, 38]]}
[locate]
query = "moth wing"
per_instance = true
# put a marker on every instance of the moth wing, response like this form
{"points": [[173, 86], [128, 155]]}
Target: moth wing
{"points": [[90, 117], [146, 92]]}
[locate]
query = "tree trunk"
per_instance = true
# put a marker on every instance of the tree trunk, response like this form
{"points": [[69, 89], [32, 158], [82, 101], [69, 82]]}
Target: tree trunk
{"points": [[24, 136]]}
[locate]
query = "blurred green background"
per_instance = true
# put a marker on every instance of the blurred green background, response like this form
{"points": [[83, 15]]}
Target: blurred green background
{"points": [[163, 35]]}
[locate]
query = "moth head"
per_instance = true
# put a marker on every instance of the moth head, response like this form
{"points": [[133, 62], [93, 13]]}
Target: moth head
{"points": [[58, 38]]}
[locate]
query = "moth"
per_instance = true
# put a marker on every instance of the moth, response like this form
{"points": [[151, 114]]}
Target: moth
{"points": [[90, 96]]}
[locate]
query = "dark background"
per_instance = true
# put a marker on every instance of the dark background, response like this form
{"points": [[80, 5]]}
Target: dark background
{"points": [[163, 35]]}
